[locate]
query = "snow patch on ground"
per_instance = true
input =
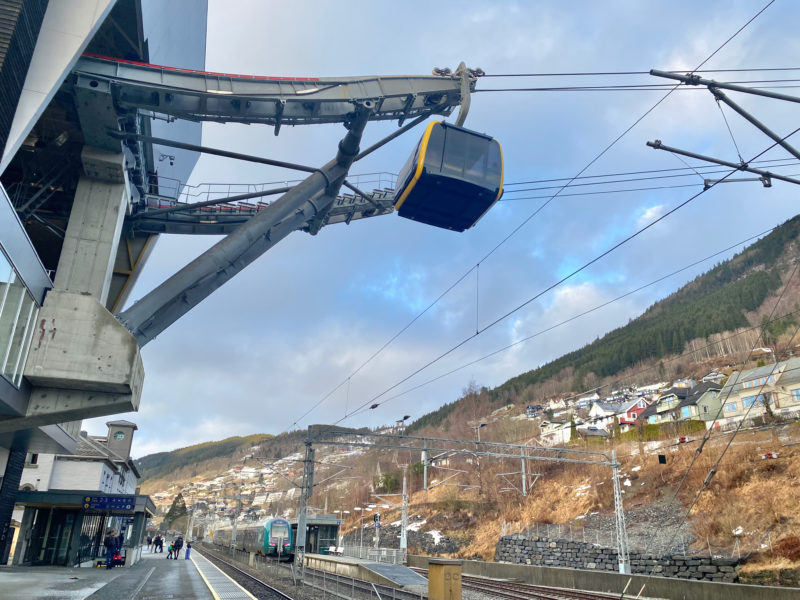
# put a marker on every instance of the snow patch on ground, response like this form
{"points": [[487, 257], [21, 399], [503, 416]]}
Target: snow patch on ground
{"points": [[416, 526], [436, 535], [639, 468]]}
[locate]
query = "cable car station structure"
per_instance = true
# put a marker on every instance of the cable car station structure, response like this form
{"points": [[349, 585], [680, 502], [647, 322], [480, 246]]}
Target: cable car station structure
{"points": [[81, 204], [114, 101]]}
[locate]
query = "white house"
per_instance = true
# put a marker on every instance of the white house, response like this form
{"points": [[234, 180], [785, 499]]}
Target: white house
{"points": [[101, 464], [555, 433]]}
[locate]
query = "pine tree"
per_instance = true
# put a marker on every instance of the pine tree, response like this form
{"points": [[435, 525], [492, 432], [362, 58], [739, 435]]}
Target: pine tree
{"points": [[176, 511]]}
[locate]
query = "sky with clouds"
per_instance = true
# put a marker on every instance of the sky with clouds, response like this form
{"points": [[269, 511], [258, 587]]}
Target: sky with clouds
{"points": [[300, 321]]}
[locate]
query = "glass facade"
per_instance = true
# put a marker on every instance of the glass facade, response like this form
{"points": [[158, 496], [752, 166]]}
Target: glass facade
{"points": [[18, 311]]}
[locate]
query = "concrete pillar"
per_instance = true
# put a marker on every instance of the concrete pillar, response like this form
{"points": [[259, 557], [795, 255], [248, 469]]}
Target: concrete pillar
{"points": [[8, 493], [83, 362], [95, 226], [24, 535]]}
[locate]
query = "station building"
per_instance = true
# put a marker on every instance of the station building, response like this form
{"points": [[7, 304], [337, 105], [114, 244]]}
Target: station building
{"points": [[67, 502], [67, 260]]}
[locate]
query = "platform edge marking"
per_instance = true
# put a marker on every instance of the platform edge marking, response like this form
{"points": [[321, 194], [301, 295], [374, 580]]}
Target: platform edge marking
{"points": [[248, 594], [208, 584]]}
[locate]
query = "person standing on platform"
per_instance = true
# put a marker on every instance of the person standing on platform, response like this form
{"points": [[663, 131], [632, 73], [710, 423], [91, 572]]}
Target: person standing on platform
{"points": [[177, 545], [169, 550], [149, 543], [188, 549], [159, 543], [110, 542]]}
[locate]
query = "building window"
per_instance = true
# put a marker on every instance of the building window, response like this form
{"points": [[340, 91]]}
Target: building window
{"points": [[796, 395], [18, 313], [31, 459], [751, 401], [730, 407]]}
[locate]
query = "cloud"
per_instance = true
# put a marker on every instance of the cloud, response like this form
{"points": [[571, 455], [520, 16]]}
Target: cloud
{"points": [[649, 215]]}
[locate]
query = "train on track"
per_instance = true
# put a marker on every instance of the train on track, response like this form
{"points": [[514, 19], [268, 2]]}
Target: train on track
{"points": [[273, 538]]}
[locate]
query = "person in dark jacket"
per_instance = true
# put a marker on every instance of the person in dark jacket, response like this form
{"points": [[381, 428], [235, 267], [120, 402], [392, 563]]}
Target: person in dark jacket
{"points": [[110, 542], [178, 544]]}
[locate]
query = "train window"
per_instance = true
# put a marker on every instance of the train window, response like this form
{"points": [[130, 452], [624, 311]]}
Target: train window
{"points": [[280, 530]]}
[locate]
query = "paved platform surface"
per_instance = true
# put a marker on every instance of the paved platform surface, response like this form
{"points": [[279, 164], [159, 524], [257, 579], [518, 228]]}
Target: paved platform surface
{"points": [[400, 574], [152, 578]]}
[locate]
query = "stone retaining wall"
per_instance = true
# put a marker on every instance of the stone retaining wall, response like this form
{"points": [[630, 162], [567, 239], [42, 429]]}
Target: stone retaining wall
{"points": [[541, 551]]}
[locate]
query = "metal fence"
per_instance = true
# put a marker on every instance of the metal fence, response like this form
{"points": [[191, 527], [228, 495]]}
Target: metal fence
{"points": [[384, 555]]}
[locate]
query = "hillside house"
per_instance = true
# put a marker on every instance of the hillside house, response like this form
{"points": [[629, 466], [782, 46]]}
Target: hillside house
{"points": [[671, 407], [663, 408], [713, 377], [555, 433], [631, 411], [747, 392], [533, 410], [601, 414]]}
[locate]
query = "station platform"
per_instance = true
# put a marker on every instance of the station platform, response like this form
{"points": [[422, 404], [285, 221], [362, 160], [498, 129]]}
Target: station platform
{"points": [[153, 577], [396, 576]]}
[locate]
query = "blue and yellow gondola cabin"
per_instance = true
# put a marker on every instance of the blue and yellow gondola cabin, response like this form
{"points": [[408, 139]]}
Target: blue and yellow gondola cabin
{"points": [[452, 179]]}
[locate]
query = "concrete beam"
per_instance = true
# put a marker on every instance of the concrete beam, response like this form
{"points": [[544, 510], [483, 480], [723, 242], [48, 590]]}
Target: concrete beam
{"points": [[82, 363], [51, 405], [79, 345]]}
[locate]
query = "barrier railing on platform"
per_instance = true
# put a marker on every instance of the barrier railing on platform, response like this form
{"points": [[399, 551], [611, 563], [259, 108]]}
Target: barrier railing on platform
{"points": [[385, 555]]}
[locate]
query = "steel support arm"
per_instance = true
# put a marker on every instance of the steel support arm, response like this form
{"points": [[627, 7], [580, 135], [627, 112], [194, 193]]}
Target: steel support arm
{"points": [[191, 285], [746, 115], [739, 167], [696, 80]]}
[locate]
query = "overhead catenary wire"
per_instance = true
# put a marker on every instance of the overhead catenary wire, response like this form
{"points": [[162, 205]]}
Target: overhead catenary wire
{"points": [[713, 169], [605, 73], [652, 87]]}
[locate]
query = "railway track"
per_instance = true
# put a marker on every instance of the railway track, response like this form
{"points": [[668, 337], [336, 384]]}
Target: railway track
{"points": [[254, 585], [522, 591]]}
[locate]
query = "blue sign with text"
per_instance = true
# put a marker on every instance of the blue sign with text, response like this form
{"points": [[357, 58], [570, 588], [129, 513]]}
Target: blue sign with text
{"points": [[109, 502]]}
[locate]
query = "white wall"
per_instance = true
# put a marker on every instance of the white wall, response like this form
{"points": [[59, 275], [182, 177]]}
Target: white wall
{"points": [[77, 475], [41, 471]]}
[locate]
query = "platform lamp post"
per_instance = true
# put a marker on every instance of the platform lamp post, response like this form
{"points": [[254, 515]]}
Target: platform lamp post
{"points": [[342, 513], [478, 428], [361, 527]]}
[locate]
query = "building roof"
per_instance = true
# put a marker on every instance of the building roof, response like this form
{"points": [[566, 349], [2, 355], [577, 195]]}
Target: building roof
{"points": [[785, 372], [122, 423]]}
